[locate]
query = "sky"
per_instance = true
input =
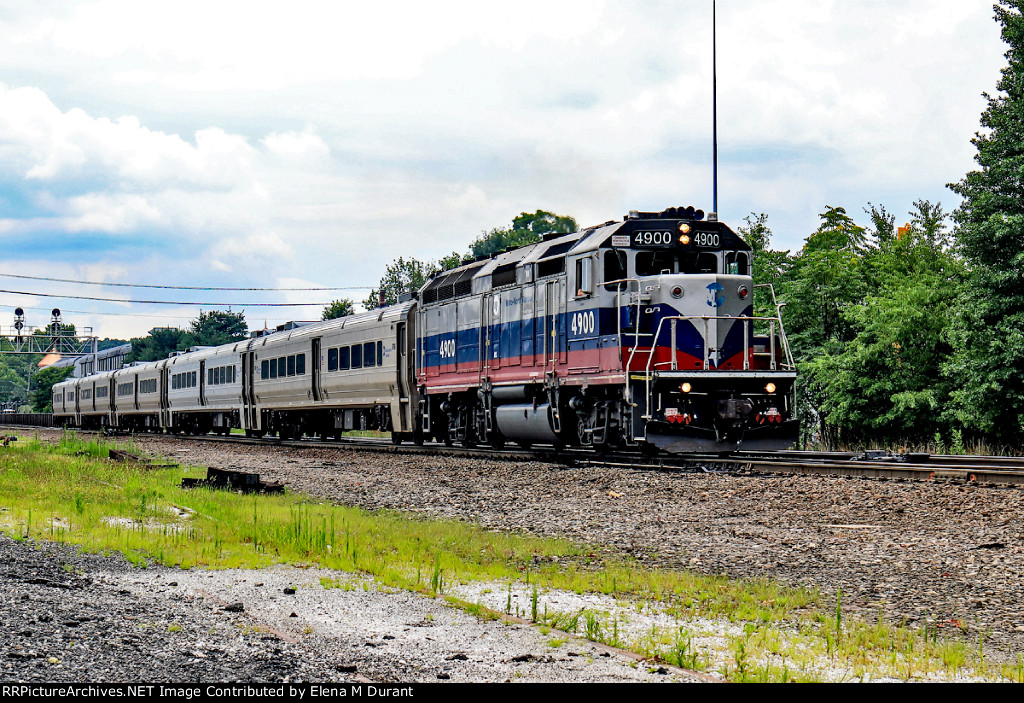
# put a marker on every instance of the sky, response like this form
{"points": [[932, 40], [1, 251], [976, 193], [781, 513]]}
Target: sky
{"points": [[307, 144]]}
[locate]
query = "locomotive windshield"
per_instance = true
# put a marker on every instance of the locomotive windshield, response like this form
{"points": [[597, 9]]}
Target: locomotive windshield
{"points": [[653, 263]]}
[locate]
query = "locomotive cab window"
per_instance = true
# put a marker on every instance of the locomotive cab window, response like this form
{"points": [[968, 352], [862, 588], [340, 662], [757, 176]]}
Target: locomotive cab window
{"points": [[614, 268], [653, 263], [584, 284], [736, 263]]}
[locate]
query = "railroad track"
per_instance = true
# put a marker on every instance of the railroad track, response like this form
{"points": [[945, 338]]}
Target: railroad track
{"points": [[1005, 471]]}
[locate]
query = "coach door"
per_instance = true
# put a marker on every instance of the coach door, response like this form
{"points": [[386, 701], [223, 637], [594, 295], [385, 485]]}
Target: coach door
{"points": [[165, 406], [202, 383], [249, 414], [314, 363]]}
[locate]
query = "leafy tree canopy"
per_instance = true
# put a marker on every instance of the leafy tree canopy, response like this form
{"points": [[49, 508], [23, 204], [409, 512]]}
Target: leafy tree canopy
{"points": [[338, 308], [988, 331], [209, 329], [217, 327], [527, 228], [45, 380]]}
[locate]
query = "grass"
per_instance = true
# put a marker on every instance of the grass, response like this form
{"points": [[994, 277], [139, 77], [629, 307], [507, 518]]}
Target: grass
{"points": [[69, 493]]}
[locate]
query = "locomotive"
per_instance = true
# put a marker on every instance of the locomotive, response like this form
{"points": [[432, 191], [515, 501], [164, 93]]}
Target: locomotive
{"points": [[632, 333]]}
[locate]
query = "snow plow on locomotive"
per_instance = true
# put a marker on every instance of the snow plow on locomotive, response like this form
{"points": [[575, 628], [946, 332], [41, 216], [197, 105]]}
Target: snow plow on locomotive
{"points": [[632, 333]]}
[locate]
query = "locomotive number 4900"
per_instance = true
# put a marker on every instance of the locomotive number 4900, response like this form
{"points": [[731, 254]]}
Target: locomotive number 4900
{"points": [[582, 323], [447, 349], [706, 239], [652, 239]]}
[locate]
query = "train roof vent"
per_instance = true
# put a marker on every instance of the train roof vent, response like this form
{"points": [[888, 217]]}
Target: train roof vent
{"points": [[557, 249], [451, 285], [504, 275]]}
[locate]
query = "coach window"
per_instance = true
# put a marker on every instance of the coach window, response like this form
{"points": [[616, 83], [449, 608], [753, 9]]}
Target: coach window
{"points": [[291, 365], [357, 356], [332, 359], [380, 353], [614, 268], [369, 354], [282, 367], [273, 368], [265, 368], [343, 358], [300, 364]]}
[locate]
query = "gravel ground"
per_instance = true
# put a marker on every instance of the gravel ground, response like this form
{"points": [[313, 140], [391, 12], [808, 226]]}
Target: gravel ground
{"points": [[74, 617], [914, 551]]}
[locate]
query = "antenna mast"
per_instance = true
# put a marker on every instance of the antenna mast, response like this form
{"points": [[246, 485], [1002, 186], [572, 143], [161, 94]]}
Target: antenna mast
{"points": [[714, 106]]}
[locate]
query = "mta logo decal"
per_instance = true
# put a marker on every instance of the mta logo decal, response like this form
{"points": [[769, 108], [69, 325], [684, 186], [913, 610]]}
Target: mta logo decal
{"points": [[716, 295]]}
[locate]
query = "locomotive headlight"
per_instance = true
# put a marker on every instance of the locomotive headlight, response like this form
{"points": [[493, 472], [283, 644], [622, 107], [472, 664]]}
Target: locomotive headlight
{"points": [[770, 388], [684, 228], [686, 388]]}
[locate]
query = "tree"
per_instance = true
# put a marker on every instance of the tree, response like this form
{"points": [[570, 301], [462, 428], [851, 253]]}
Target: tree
{"points": [[338, 308], [158, 344], [767, 266], [401, 277], [988, 332], [45, 380], [885, 384], [218, 327], [527, 228], [883, 222]]}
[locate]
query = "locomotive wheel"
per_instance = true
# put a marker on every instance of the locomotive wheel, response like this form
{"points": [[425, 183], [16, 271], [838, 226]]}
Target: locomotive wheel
{"points": [[396, 438], [497, 441], [417, 438]]}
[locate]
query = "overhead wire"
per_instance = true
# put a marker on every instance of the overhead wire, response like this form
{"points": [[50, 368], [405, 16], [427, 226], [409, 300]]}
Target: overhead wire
{"points": [[164, 302], [168, 287]]}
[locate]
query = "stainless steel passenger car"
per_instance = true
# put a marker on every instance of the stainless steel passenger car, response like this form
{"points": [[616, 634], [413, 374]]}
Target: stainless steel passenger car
{"points": [[345, 374], [319, 379]]}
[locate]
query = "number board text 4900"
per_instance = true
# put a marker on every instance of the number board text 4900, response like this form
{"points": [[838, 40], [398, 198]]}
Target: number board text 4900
{"points": [[657, 239], [652, 238]]}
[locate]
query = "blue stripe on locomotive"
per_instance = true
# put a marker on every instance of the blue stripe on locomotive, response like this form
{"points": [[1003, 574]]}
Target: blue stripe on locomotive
{"points": [[530, 337]]}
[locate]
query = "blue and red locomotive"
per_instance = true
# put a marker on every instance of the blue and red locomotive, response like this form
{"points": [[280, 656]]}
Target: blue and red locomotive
{"points": [[631, 333]]}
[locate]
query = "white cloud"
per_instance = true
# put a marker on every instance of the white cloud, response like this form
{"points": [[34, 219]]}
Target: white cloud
{"points": [[245, 142]]}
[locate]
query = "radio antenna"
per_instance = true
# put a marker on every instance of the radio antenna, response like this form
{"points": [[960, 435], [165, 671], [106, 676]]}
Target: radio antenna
{"points": [[714, 107]]}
